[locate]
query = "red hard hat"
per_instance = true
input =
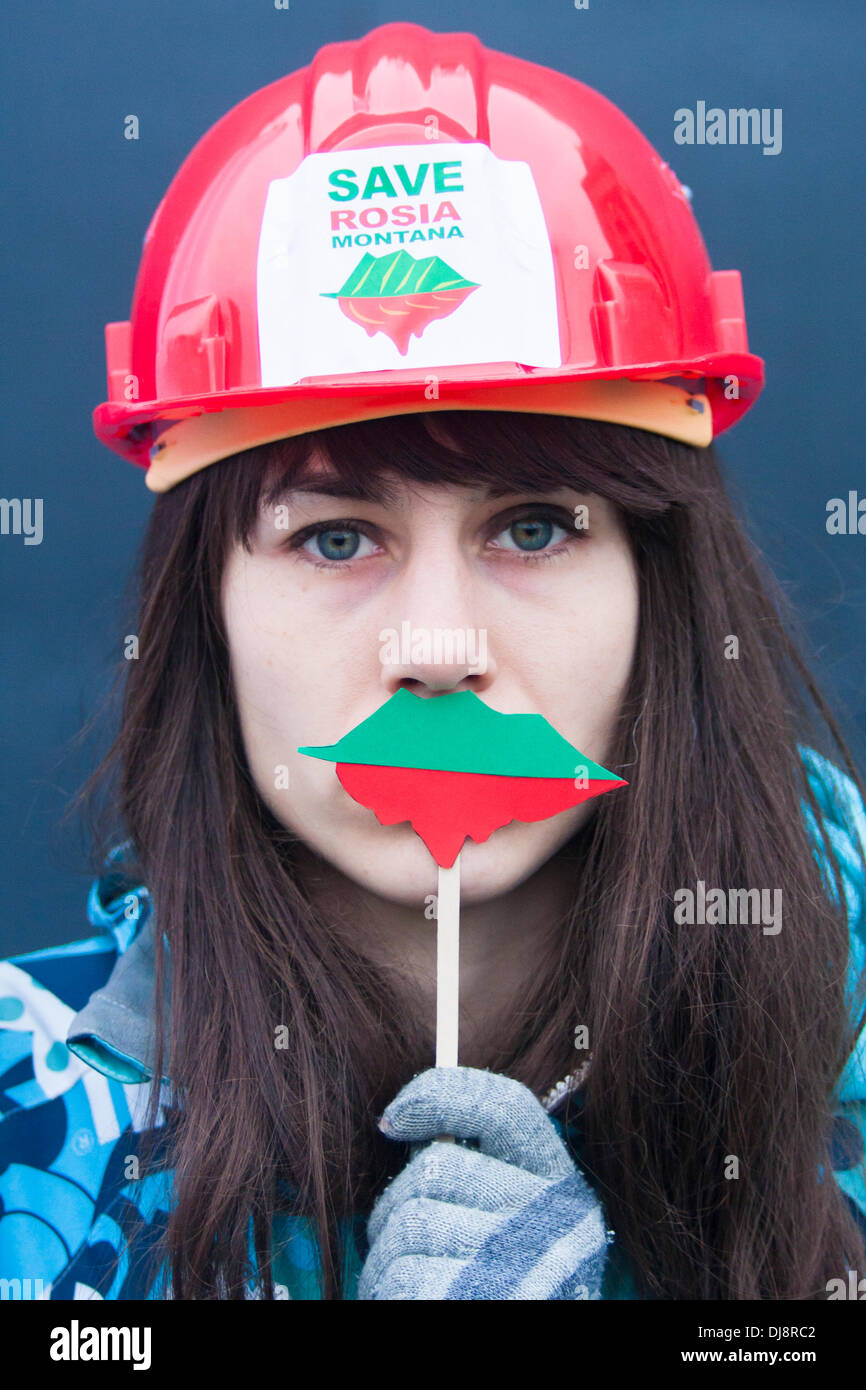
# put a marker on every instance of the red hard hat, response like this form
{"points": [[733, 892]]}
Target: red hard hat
{"points": [[417, 222]]}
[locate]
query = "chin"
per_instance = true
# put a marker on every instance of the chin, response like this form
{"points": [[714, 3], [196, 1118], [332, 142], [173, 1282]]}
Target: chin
{"points": [[394, 863], [510, 856]]}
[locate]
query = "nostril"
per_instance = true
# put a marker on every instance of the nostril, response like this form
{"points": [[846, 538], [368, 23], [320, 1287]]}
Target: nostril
{"points": [[436, 687]]}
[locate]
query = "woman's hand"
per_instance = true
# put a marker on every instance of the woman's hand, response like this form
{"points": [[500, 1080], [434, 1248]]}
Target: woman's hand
{"points": [[513, 1220]]}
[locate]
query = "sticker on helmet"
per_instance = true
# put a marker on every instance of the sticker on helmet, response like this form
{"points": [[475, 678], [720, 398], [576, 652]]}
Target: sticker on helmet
{"points": [[402, 257]]}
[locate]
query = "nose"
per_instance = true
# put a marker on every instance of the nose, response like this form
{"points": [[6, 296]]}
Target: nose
{"points": [[434, 641]]}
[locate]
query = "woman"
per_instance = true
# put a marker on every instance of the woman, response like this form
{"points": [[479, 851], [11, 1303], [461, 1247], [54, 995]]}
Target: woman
{"points": [[656, 1098]]}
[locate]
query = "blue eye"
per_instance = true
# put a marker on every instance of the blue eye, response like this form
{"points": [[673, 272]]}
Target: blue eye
{"points": [[335, 543], [531, 533]]}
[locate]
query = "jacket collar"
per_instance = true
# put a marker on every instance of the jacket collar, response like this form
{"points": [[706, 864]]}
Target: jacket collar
{"points": [[115, 1031]]}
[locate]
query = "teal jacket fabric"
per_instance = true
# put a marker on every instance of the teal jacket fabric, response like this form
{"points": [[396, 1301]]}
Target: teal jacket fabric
{"points": [[76, 1068]]}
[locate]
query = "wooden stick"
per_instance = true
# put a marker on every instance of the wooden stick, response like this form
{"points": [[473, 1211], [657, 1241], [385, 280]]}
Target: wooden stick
{"points": [[447, 964], [447, 969]]}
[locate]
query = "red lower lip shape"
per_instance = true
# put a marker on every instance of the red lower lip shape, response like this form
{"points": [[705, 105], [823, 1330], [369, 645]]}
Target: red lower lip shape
{"points": [[427, 798], [399, 316]]}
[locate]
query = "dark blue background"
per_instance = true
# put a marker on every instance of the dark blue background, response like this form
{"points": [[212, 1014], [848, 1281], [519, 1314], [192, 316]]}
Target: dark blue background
{"points": [[79, 198]]}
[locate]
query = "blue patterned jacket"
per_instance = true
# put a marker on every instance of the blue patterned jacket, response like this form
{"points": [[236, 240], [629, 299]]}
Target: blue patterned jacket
{"points": [[72, 1101]]}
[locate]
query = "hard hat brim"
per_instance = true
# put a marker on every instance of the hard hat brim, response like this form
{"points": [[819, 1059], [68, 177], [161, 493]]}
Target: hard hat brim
{"points": [[182, 437]]}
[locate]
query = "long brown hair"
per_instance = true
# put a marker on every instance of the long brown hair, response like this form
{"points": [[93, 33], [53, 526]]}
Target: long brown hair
{"points": [[707, 1041]]}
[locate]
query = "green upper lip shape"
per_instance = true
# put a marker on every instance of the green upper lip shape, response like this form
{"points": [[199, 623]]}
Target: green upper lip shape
{"points": [[398, 274], [458, 732]]}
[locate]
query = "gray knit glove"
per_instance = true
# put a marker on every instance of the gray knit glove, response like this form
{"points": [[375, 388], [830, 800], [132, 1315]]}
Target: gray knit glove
{"points": [[513, 1219]]}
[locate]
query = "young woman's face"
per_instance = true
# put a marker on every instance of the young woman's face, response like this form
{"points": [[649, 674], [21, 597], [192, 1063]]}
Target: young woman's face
{"points": [[535, 602]]}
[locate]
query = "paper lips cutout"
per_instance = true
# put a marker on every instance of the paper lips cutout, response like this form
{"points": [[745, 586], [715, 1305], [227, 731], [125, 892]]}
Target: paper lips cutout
{"points": [[457, 770]]}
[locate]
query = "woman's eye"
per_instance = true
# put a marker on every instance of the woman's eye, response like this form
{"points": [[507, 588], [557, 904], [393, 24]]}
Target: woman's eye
{"points": [[530, 533], [335, 543]]}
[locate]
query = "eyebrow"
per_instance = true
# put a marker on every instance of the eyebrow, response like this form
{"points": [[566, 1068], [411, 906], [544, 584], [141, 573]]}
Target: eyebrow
{"points": [[374, 489], [357, 489]]}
